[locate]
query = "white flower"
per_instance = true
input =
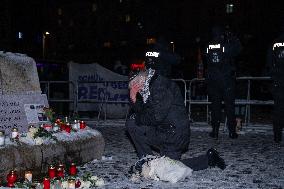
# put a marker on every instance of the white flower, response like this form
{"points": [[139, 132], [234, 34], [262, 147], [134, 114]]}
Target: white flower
{"points": [[100, 182], [85, 184], [64, 184], [94, 178], [32, 132], [38, 141]]}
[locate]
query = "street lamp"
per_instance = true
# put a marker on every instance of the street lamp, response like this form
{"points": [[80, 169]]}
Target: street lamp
{"points": [[173, 46], [44, 35]]}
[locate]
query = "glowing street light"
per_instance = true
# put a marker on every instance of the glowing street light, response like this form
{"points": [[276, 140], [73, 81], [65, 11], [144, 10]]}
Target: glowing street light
{"points": [[173, 46], [44, 35]]}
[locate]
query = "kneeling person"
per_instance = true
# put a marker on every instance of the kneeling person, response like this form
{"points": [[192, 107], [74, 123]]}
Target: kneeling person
{"points": [[159, 119]]}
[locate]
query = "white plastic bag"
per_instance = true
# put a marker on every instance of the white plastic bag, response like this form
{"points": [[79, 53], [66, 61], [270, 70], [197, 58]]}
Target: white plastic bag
{"points": [[166, 169]]}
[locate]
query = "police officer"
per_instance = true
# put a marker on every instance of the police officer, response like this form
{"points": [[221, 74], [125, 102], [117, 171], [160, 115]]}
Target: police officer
{"points": [[220, 57], [275, 62], [167, 56], [159, 119]]}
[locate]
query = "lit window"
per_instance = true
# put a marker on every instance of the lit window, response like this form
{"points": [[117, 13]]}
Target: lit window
{"points": [[20, 35], [151, 41], [229, 8], [127, 18], [59, 11]]}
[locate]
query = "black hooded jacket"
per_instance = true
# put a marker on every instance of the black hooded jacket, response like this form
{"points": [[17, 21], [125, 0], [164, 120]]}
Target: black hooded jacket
{"points": [[221, 60], [164, 109], [275, 61]]}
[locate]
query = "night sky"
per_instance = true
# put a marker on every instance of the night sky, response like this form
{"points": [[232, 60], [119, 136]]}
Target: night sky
{"points": [[105, 30]]}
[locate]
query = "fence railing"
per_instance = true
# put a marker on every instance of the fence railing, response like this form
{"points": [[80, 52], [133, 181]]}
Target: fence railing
{"points": [[187, 86], [248, 102]]}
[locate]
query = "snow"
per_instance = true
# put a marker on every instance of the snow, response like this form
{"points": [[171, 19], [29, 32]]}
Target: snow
{"points": [[253, 160]]}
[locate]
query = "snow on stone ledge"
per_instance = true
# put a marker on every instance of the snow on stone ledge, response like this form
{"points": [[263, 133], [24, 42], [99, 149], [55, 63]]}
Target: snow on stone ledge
{"points": [[62, 136], [81, 134]]}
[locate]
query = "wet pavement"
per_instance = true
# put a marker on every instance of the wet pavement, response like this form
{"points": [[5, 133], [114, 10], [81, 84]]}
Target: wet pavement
{"points": [[253, 160]]}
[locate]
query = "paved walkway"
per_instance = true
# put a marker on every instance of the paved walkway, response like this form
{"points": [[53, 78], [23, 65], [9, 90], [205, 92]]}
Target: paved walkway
{"points": [[253, 160]]}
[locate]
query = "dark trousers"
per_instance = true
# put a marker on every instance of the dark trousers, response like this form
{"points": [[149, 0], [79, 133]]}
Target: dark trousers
{"points": [[146, 138], [222, 89], [278, 112]]}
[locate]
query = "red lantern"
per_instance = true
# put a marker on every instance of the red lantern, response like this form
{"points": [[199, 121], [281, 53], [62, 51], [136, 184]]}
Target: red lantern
{"points": [[46, 183], [12, 178], [68, 128], [60, 172], [62, 126], [82, 125], [51, 172], [73, 169]]}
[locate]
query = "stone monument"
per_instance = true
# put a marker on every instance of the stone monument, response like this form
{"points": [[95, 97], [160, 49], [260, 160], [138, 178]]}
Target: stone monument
{"points": [[21, 99]]}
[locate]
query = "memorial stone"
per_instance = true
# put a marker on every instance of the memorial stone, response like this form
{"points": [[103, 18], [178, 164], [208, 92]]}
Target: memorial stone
{"points": [[21, 99]]}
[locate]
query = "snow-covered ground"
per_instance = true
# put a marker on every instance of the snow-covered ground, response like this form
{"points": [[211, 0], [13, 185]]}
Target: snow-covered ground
{"points": [[253, 160]]}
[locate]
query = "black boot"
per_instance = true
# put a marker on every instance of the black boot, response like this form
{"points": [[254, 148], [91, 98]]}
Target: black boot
{"points": [[233, 135], [214, 133], [277, 137], [214, 159]]}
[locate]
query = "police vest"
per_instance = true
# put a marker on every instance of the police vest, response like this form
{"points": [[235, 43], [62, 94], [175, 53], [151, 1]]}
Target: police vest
{"points": [[152, 59], [215, 53]]}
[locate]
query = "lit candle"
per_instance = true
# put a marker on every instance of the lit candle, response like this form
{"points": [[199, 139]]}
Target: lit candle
{"points": [[60, 172], [55, 127], [66, 119], [2, 138], [68, 128], [51, 171], [11, 178], [82, 125], [28, 176], [73, 169], [14, 134], [76, 125], [46, 183], [71, 184]]}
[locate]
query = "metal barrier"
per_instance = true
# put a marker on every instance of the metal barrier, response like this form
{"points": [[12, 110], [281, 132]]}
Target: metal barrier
{"points": [[46, 90], [104, 99], [248, 101], [187, 86]]}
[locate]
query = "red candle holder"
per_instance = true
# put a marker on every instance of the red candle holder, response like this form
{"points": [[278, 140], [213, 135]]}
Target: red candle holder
{"points": [[60, 172], [12, 178], [51, 172], [68, 128], [72, 169], [46, 183], [83, 125], [62, 126]]}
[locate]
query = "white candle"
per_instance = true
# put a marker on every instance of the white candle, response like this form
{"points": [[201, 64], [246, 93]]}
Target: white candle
{"points": [[55, 127], [29, 176], [76, 125], [2, 138], [15, 133], [71, 184]]}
